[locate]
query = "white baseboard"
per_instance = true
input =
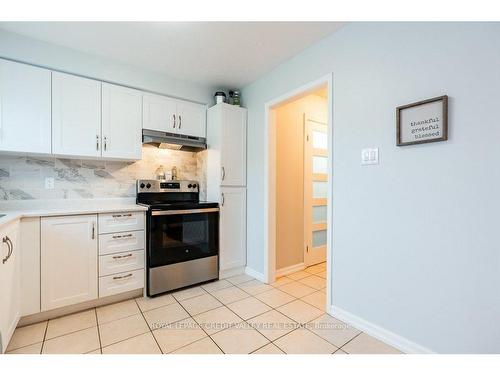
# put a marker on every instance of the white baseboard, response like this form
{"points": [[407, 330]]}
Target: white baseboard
{"points": [[257, 275], [231, 272], [390, 338], [290, 269]]}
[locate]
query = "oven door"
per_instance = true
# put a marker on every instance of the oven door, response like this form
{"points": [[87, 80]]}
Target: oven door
{"points": [[182, 235]]}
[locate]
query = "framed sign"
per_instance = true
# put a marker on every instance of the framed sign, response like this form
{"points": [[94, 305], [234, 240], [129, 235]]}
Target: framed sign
{"points": [[422, 122]]}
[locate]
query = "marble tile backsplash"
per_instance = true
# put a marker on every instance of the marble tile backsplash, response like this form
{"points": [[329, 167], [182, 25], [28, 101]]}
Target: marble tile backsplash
{"points": [[23, 177]]}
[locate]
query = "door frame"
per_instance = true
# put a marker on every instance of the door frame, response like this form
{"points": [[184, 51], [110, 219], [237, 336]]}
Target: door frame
{"points": [[270, 177]]}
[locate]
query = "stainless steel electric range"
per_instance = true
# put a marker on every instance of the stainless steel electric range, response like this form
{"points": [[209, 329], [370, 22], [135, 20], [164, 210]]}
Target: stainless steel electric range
{"points": [[182, 235]]}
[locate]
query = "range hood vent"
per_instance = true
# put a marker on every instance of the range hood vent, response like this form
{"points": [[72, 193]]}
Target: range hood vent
{"points": [[173, 141]]}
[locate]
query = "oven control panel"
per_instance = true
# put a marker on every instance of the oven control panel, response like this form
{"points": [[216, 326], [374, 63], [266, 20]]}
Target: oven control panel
{"points": [[167, 186]]}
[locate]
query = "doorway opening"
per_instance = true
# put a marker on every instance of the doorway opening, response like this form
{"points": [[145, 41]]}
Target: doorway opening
{"points": [[298, 183]]}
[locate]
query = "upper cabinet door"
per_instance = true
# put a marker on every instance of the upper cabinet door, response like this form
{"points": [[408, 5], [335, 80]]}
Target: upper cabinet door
{"points": [[76, 116], [24, 108], [233, 146], [192, 119], [121, 122], [159, 113]]}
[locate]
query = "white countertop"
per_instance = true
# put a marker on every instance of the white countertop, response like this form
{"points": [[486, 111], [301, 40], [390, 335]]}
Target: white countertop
{"points": [[14, 210]]}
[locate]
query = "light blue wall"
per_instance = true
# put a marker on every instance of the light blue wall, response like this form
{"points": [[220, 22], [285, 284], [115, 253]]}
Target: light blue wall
{"points": [[415, 241], [20, 48]]}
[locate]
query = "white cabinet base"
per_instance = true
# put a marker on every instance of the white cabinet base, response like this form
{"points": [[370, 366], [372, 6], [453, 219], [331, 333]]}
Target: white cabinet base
{"points": [[232, 228], [121, 282], [30, 266], [68, 260]]}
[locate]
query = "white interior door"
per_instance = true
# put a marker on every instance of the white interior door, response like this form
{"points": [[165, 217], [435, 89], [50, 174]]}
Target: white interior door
{"points": [[315, 190]]}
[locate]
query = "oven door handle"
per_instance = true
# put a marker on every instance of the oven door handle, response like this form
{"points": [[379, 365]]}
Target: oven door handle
{"points": [[180, 212]]}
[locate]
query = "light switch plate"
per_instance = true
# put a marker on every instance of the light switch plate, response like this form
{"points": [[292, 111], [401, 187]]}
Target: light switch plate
{"points": [[49, 182], [369, 156]]}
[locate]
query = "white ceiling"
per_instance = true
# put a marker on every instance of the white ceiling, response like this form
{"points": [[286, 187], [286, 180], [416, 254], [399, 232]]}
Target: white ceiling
{"points": [[225, 54]]}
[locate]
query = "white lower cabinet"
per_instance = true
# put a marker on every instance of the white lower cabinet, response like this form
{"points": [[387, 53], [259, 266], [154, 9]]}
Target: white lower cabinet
{"points": [[10, 282], [121, 222], [30, 265], [68, 260], [232, 228], [121, 262], [121, 282], [111, 243], [121, 252]]}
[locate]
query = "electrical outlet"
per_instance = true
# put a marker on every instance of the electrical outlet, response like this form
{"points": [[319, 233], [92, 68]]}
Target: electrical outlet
{"points": [[49, 182]]}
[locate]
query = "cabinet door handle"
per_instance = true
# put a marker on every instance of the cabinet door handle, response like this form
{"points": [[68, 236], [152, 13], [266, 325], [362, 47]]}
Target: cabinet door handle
{"points": [[97, 142], [174, 121], [93, 230], [122, 277], [105, 143], [223, 200], [223, 172], [122, 256], [180, 121], [9, 245]]}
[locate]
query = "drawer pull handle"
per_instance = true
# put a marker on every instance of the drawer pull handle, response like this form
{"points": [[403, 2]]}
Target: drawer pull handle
{"points": [[117, 236], [122, 277], [122, 256], [121, 215]]}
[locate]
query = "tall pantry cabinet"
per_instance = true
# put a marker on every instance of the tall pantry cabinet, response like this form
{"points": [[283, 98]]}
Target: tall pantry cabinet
{"points": [[226, 180]]}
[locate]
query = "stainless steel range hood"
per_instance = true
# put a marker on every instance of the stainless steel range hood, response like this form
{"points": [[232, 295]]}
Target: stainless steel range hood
{"points": [[173, 141]]}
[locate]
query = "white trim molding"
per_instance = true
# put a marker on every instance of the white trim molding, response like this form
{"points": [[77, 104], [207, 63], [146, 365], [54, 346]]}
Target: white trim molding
{"points": [[257, 275], [389, 337], [231, 272], [290, 269], [270, 177]]}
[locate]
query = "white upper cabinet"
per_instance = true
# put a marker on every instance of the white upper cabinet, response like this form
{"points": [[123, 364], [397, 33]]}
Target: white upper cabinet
{"points": [[25, 123], [76, 116], [175, 116], [192, 118], [159, 113], [121, 122], [227, 146], [47, 112], [233, 146]]}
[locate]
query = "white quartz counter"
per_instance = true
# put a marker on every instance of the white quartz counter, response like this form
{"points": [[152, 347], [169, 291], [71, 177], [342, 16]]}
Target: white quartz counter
{"points": [[14, 210]]}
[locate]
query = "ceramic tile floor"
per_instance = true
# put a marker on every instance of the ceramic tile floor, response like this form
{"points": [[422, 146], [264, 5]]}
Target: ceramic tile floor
{"points": [[235, 315]]}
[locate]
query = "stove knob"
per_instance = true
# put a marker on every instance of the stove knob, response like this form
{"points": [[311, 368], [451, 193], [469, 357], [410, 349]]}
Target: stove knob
{"points": [[142, 186], [194, 185], [148, 185], [190, 186]]}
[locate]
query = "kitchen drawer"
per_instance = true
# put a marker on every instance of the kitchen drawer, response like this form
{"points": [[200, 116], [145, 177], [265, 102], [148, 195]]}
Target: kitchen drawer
{"points": [[121, 222], [119, 242], [121, 262], [121, 282]]}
